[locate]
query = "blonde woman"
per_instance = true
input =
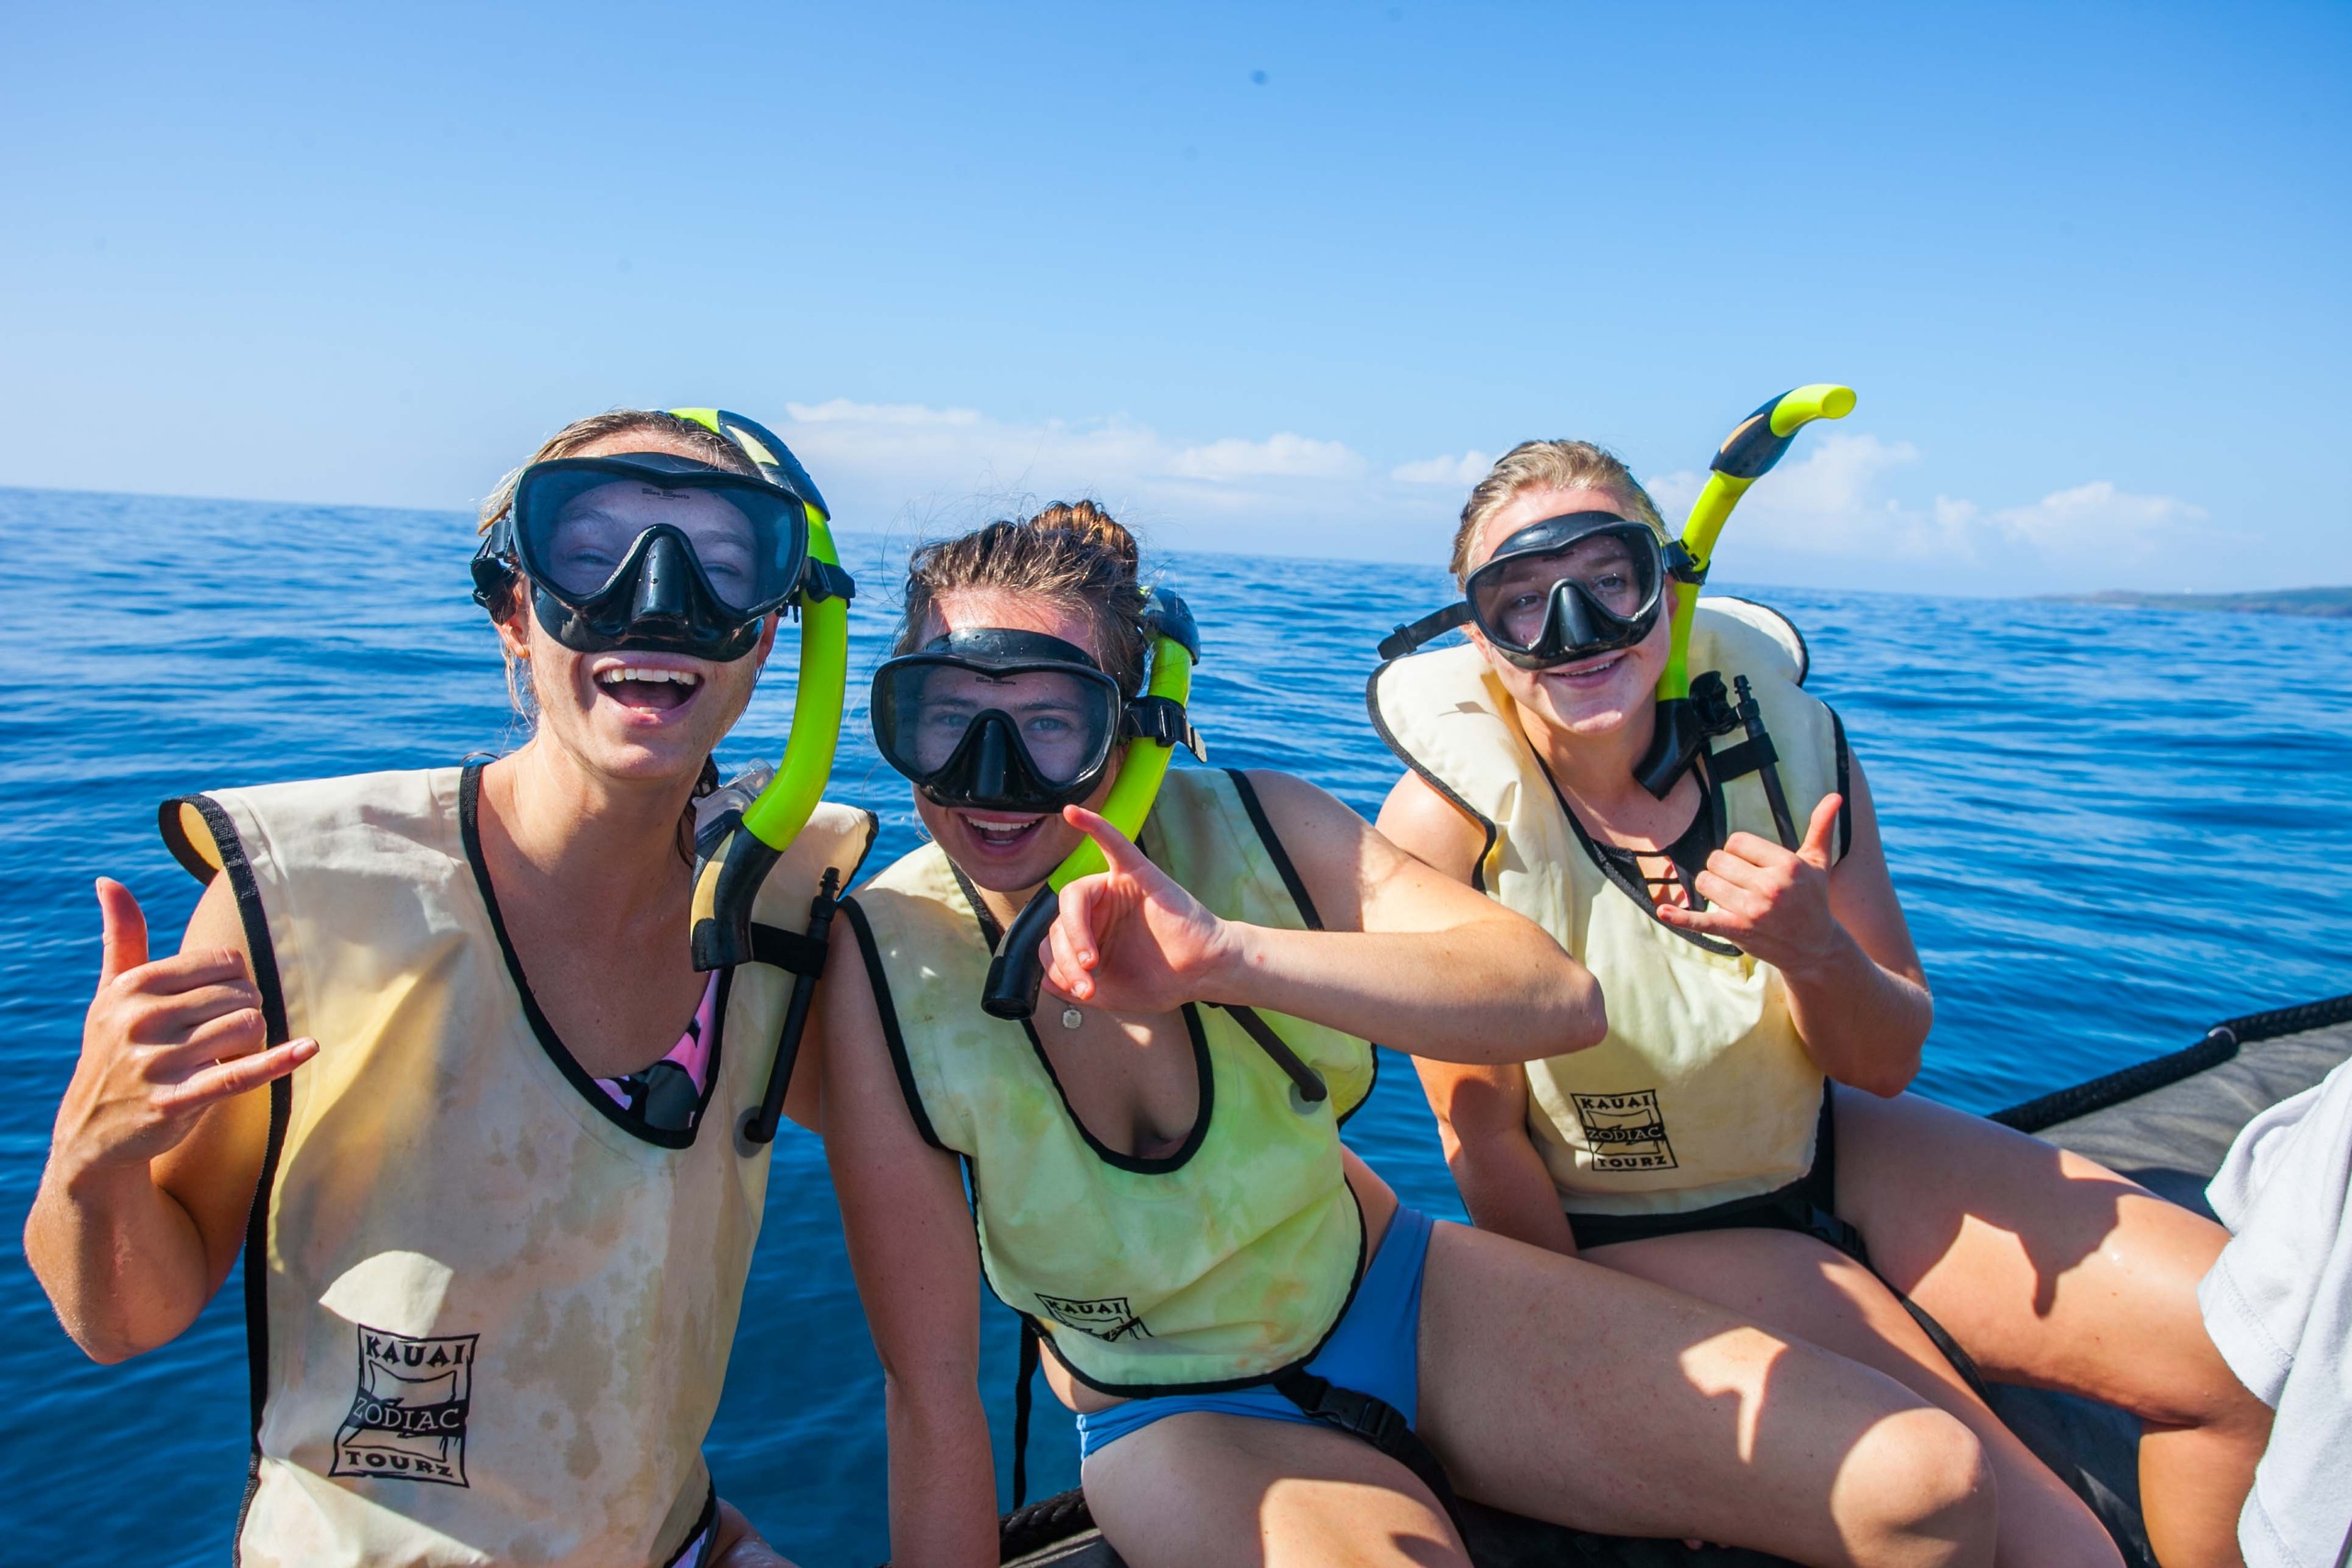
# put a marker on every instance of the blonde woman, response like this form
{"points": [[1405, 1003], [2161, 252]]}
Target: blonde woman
{"points": [[1742, 1133], [434, 1052]]}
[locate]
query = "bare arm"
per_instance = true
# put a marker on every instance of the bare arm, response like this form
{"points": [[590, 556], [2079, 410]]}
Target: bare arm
{"points": [[918, 1274], [1407, 958], [1482, 1122], [158, 1142], [1481, 1110], [1835, 932]]}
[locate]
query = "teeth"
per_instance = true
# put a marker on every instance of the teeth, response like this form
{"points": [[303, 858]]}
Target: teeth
{"points": [[686, 678]]}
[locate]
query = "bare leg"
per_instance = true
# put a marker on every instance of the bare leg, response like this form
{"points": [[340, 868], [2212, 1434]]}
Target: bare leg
{"points": [[1207, 1490], [2053, 1271], [1795, 1285], [1568, 1392]]}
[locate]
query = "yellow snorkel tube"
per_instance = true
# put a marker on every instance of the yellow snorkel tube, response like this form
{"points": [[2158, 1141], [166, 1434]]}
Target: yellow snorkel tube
{"points": [[1016, 972], [729, 880], [1746, 455]]}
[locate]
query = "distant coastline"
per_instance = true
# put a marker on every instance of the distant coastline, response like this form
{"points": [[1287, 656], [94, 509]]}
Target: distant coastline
{"points": [[2327, 603]]}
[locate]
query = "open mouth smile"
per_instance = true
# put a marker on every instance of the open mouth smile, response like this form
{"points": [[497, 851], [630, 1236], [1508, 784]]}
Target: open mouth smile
{"points": [[1591, 674], [648, 690], [1000, 835]]}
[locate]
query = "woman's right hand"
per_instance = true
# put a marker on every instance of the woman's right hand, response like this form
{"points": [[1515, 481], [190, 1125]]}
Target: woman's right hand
{"points": [[1128, 939], [162, 1042]]}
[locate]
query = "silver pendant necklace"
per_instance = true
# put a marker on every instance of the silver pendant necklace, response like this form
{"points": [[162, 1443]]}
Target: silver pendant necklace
{"points": [[1072, 1018]]}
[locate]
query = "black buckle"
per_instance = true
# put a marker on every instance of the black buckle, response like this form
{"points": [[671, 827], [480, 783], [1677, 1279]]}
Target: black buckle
{"points": [[1682, 565], [823, 579], [1162, 719]]}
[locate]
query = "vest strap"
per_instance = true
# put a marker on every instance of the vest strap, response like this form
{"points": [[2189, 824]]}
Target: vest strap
{"points": [[1747, 757], [790, 951], [804, 957], [1306, 1079], [1023, 1395], [1377, 1422]]}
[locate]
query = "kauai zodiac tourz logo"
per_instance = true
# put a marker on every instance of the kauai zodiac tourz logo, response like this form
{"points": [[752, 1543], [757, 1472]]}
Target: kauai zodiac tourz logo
{"points": [[1106, 1319], [408, 1421], [1624, 1131]]}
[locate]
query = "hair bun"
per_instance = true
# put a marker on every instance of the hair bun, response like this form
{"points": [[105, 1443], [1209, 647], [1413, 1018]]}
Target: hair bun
{"points": [[1090, 525]]}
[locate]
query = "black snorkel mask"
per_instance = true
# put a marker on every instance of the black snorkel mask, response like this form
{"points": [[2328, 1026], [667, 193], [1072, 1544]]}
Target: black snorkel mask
{"points": [[653, 551], [1565, 588], [998, 720]]}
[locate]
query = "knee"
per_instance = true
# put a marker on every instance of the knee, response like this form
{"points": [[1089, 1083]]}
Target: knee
{"points": [[1918, 1492]]}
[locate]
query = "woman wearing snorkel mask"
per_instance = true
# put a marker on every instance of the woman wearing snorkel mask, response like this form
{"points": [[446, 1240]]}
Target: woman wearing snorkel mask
{"points": [[435, 1052], [1742, 1133], [1273, 1360]]}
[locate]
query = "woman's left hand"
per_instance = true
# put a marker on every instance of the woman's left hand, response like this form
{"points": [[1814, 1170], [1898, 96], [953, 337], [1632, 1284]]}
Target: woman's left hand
{"points": [[1129, 939], [1769, 902]]}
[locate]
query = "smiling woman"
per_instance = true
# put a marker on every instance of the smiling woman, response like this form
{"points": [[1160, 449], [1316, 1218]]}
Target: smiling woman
{"points": [[470, 991]]}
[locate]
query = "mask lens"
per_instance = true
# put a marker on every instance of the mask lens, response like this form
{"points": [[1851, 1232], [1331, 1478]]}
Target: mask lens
{"points": [[1062, 718], [1619, 567], [577, 528]]}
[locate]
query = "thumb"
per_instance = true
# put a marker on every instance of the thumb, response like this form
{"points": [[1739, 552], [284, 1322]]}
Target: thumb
{"points": [[123, 934], [1815, 850]]}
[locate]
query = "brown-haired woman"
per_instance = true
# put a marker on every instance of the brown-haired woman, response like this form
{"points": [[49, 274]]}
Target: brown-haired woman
{"points": [[1742, 1133], [434, 1052], [1271, 1359]]}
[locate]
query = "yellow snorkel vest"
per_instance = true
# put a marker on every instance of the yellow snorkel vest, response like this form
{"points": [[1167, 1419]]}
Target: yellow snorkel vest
{"points": [[1701, 1091], [489, 1316], [1223, 1263]]}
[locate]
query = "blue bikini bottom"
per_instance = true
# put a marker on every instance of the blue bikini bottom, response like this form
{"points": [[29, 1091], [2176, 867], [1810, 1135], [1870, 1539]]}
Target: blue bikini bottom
{"points": [[1375, 1349]]}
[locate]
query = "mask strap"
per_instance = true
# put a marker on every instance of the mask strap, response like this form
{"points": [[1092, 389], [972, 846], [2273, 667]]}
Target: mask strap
{"points": [[1409, 635]]}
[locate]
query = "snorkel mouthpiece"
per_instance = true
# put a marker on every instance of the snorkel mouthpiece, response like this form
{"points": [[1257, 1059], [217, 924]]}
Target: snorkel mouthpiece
{"points": [[1686, 719], [1016, 972]]}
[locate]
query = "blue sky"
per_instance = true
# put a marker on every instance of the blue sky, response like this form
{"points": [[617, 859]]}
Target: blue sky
{"points": [[1266, 278]]}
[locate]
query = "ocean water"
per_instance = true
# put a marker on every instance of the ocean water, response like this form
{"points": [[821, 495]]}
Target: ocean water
{"points": [[2110, 826]]}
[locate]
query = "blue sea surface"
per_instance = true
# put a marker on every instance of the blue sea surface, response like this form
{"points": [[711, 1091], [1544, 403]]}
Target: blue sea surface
{"points": [[2110, 826]]}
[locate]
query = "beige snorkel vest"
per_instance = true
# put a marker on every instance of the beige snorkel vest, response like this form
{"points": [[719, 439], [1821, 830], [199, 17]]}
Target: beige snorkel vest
{"points": [[1702, 1092], [488, 1313], [1223, 1263]]}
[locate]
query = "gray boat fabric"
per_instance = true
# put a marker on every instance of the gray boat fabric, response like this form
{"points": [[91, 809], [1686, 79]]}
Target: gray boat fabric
{"points": [[2170, 1140]]}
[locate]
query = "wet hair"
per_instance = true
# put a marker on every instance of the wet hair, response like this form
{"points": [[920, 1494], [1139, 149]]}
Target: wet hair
{"points": [[1072, 553], [1549, 465]]}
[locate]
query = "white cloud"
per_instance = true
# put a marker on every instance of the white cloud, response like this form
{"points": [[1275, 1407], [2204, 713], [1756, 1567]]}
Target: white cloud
{"points": [[1466, 469], [2097, 516], [889, 463], [1835, 502], [1838, 508], [1282, 456]]}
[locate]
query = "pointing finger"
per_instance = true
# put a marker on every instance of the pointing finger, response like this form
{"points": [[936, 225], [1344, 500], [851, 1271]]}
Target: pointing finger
{"points": [[1117, 848], [1815, 850], [122, 941]]}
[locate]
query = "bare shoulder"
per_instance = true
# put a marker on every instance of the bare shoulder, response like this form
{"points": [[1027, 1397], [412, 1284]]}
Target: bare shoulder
{"points": [[217, 923], [1425, 825]]}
